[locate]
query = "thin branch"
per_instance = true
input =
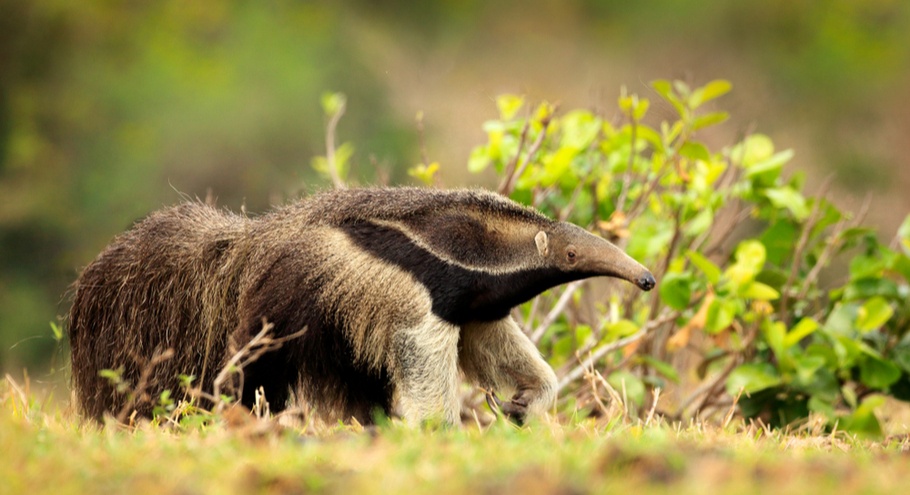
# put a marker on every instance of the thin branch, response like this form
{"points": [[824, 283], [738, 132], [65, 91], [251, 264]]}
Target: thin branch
{"points": [[422, 145], [508, 183], [834, 241], [627, 176], [728, 230], [557, 309], [330, 147], [260, 344], [531, 312], [142, 384], [513, 163], [592, 358], [564, 214], [706, 390], [798, 251]]}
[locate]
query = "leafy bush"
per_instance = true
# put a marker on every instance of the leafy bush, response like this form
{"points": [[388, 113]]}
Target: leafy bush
{"points": [[738, 251]]}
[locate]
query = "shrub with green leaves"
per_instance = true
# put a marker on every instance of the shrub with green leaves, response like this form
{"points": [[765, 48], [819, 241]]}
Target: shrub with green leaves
{"points": [[740, 316]]}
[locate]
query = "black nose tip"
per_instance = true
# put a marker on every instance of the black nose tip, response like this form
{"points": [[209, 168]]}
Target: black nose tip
{"points": [[647, 282]]}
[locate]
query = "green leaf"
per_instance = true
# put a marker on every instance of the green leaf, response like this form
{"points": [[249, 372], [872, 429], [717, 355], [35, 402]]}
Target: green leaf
{"points": [[582, 334], [866, 266], [710, 119], [754, 149], [676, 290], [751, 378], [631, 385], [641, 109], [700, 223], [479, 159], [579, 129], [57, 331], [509, 105], [801, 330], [332, 103], [873, 314], [901, 355], [557, 165], [620, 329], [424, 173], [904, 233], [721, 313], [711, 271], [840, 320], [867, 288], [848, 351], [806, 368], [665, 90], [563, 349], [878, 373], [751, 253], [651, 136], [664, 368], [779, 240], [759, 292], [775, 333], [695, 151], [773, 163], [650, 236], [710, 91], [863, 420], [790, 199]]}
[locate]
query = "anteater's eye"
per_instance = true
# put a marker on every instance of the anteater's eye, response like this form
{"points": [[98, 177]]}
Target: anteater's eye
{"points": [[570, 255]]}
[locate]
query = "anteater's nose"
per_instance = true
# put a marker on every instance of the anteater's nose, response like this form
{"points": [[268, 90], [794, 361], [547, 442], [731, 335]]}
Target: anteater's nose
{"points": [[646, 281]]}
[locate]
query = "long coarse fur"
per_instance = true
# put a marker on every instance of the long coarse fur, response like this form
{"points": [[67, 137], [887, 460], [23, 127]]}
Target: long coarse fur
{"points": [[398, 290]]}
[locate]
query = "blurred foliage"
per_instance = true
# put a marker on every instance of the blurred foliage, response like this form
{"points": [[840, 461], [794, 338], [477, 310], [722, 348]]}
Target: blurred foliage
{"points": [[109, 110], [742, 312]]}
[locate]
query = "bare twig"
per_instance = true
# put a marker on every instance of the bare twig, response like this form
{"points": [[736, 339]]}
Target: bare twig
{"points": [[508, 183], [260, 344], [732, 410], [564, 214], [706, 390], [513, 163], [627, 176], [737, 218], [557, 309], [660, 337], [144, 376], [798, 251], [656, 392], [834, 241], [530, 319], [422, 145], [21, 394], [330, 146], [608, 348]]}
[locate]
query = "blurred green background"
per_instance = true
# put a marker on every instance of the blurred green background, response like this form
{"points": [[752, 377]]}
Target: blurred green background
{"points": [[109, 110]]}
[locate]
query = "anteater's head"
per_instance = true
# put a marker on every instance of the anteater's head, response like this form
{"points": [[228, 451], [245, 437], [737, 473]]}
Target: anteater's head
{"points": [[582, 254]]}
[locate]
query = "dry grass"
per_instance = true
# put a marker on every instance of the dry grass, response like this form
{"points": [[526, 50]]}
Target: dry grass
{"points": [[48, 450]]}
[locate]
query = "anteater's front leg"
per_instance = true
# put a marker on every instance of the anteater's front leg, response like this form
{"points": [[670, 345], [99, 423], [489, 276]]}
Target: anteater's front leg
{"points": [[425, 371], [500, 357]]}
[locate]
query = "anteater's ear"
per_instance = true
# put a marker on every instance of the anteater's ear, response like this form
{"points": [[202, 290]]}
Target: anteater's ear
{"points": [[541, 240]]}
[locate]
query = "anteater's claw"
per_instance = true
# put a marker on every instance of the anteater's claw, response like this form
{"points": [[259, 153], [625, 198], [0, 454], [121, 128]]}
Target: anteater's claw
{"points": [[516, 409]]}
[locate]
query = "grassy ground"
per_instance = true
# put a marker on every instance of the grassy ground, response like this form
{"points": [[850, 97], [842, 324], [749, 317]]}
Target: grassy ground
{"points": [[45, 449]]}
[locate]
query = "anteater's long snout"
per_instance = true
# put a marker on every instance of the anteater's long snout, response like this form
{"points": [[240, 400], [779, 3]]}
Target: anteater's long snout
{"points": [[612, 261]]}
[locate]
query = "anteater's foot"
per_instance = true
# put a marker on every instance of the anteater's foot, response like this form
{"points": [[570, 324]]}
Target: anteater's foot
{"points": [[516, 409]]}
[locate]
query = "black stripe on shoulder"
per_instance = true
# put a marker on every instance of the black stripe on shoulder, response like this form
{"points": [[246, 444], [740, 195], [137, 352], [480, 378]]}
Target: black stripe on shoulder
{"points": [[459, 294]]}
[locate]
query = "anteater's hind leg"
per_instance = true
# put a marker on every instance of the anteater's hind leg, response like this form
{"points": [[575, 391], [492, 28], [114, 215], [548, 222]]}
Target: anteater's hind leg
{"points": [[498, 356]]}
